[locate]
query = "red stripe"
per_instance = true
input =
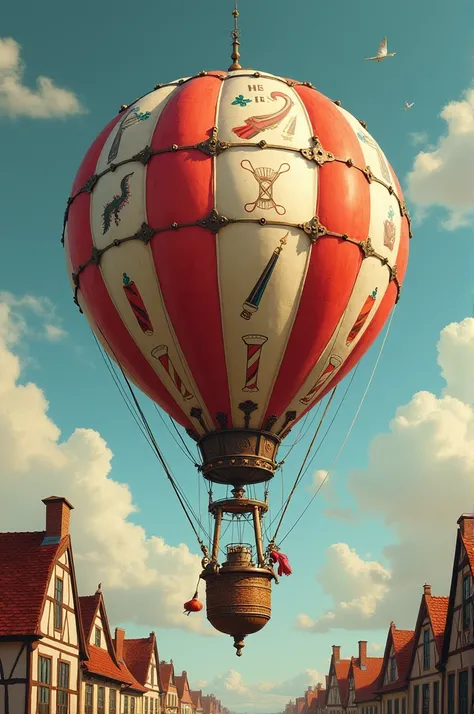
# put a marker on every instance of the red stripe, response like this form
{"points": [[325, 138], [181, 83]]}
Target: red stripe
{"points": [[380, 318], [96, 296], [180, 189], [343, 205]]}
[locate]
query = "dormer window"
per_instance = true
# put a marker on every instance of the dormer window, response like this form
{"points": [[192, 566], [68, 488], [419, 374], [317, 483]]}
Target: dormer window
{"points": [[466, 603], [58, 604], [98, 637], [393, 668]]}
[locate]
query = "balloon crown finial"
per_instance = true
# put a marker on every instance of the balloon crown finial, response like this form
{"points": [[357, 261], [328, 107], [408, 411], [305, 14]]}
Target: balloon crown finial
{"points": [[235, 40]]}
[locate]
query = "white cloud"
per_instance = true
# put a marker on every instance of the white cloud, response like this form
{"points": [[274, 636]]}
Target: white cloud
{"points": [[375, 649], [45, 102], [444, 175], [143, 578], [42, 308], [418, 481], [418, 137], [320, 480], [260, 696]]}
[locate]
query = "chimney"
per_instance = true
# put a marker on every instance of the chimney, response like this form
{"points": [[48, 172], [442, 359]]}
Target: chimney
{"points": [[426, 589], [58, 512], [363, 654], [118, 642], [336, 653], [466, 525]]}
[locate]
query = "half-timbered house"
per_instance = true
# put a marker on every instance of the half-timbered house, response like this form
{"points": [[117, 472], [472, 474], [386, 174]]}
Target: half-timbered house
{"points": [[41, 637], [141, 656], [170, 693], [457, 657], [337, 683], [184, 693], [131, 699], [363, 681], [393, 691], [102, 677], [424, 676]]}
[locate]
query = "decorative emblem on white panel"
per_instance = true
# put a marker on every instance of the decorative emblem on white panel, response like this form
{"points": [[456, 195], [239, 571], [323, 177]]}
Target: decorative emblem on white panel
{"points": [[161, 354], [133, 117], [256, 124], [373, 144], [389, 230], [254, 352], [135, 301], [362, 317], [265, 177], [334, 363], [113, 207], [289, 130], [252, 303]]}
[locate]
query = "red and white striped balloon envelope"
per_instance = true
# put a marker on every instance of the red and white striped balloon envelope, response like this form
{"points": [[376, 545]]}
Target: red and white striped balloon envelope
{"points": [[237, 242]]}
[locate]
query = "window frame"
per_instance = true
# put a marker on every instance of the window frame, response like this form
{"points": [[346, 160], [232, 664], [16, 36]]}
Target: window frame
{"points": [[89, 688], [97, 636], [436, 701], [114, 709], [426, 648], [58, 604], [396, 706], [416, 699], [392, 676], [466, 601], [61, 707], [463, 674], [45, 686], [404, 705], [451, 693], [425, 700]]}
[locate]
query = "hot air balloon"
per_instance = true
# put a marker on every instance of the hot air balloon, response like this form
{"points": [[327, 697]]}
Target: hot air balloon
{"points": [[236, 241]]}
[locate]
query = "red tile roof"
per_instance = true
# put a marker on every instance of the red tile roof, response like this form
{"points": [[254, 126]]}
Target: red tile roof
{"points": [[101, 663], [342, 672], [182, 687], [468, 543], [403, 644], [89, 605], [134, 684], [196, 696], [366, 681], [137, 653], [166, 674], [438, 612], [25, 570]]}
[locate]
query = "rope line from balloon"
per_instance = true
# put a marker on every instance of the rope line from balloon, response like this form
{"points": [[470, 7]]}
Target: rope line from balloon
{"points": [[333, 419], [299, 474], [346, 438], [213, 147], [150, 437]]}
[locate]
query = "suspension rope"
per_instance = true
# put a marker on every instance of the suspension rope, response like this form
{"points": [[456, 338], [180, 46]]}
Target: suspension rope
{"points": [[348, 432], [299, 475]]}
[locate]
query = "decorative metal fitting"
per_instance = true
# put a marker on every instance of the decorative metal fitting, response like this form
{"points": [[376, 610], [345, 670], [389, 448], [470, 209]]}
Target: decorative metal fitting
{"points": [[270, 423], [289, 417], [367, 248], [313, 228], [221, 417], [145, 233], [123, 107], [89, 184], [247, 408], [196, 413], [368, 174], [338, 103], [214, 221], [316, 153], [363, 123], [143, 156]]}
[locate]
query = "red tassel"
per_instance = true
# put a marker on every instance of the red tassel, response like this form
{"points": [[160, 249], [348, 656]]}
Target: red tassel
{"points": [[284, 567]]}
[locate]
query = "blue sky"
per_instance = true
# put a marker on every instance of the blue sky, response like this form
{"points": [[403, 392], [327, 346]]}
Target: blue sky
{"points": [[108, 53]]}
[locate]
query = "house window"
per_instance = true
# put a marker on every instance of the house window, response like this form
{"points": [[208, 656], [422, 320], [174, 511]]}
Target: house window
{"points": [[393, 669], [466, 592], [62, 696], [426, 649], [58, 604], [389, 706], [435, 697], [98, 637], [404, 705], [416, 698], [152, 676], [462, 692], [89, 699], [132, 705], [101, 700], [451, 686], [125, 705], [397, 706], [425, 695], [44, 685], [112, 701], [146, 704]]}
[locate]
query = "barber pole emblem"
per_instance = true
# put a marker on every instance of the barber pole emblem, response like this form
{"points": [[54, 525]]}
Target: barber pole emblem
{"points": [[389, 230], [362, 317], [254, 350], [161, 354], [135, 301], [334, 363]]}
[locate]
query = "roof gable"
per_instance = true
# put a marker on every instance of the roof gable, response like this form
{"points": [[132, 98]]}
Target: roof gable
{"points": [[167, 675], [196, 696], [138, 655], [92, 606], [464, 546], [366, 681], [182, 688], [402, 642], [342, 673]]}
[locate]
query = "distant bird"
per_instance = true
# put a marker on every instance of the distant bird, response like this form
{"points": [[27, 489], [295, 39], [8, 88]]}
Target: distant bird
{"points": [[382, 52], [409, 106]]}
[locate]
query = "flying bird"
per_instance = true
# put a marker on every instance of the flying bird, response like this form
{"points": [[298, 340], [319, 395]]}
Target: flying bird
{"points": [[409, 106], [382, 52]]}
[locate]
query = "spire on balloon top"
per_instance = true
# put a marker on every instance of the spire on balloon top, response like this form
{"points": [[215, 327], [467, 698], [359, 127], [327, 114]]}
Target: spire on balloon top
{"points": [[235, 40]]}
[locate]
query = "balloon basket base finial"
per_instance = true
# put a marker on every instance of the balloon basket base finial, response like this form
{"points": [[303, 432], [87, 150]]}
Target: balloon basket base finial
{"points": [[239, 645]]}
